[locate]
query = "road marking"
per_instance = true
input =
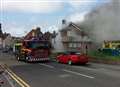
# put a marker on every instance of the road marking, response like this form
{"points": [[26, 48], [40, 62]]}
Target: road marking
{"points": [[80, 67], [49, 66], [102, 69], [18, 80], [21, 82], [9, 81], [76, 73], [64, 75]]}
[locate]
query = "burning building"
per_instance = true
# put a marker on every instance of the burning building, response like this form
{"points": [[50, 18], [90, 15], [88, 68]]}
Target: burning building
{"points": [[72, 38]]}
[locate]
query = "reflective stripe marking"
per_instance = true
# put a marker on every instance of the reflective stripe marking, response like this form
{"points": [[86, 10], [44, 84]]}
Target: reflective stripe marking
{"points": [[39, 59]]}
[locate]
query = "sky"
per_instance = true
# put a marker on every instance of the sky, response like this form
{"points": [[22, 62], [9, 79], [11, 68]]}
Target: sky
{"points": [[20, 16]]}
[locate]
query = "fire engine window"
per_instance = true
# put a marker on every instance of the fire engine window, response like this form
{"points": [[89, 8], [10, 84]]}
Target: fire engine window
{"points": [[37, 45]]}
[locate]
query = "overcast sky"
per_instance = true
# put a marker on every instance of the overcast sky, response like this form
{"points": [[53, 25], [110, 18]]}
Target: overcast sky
{"points": [[20, 16]]}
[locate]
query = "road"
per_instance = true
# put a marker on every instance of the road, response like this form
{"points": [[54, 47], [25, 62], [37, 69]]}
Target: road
{"points": [[52, 74]]}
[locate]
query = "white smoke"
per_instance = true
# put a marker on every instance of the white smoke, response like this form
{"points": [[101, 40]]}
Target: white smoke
{"points": [[103, 23]]}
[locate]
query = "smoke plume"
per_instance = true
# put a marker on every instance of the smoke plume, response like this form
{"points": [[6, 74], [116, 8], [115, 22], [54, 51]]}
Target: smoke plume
{"points": [[103, 23]]}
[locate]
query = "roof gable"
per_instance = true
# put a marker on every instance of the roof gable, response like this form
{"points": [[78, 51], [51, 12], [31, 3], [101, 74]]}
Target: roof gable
{"points": [[76, 28]]}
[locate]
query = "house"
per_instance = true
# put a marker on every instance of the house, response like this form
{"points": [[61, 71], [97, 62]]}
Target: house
{"points": [[72, 37], [34, 33], [37, 34], [6, 39]]}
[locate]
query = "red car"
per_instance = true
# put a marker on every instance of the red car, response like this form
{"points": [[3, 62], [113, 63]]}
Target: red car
{"points": [[72, 57]]}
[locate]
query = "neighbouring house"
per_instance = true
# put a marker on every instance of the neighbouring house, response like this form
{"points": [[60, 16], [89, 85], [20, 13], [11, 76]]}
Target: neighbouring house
{"points": [[7, 40], [37, 33], [33, 33], [72, 37]]}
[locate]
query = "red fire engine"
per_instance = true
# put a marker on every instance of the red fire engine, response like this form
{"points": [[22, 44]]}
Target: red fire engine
{"points": [[35, 46]]}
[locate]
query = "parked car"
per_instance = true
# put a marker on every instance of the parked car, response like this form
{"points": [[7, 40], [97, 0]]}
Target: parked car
{"points": [[72, 57]]}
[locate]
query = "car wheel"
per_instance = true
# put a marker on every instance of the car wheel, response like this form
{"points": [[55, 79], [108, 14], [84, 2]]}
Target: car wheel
{"points": [[70, 62]]}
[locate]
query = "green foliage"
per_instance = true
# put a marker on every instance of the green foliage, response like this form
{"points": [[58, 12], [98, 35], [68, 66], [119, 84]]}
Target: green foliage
{"points": [[103, 56]]}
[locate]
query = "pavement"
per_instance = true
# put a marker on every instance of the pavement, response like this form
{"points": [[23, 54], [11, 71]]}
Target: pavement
{"points": [[6, 83], [10, 60], [53, 74]]}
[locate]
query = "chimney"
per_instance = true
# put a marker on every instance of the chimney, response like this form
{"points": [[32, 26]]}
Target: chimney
{"points": [[63, 22]]}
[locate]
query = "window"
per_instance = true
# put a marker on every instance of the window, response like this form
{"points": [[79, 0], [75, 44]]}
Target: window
{"points": [[74, 45], [69, 33], [79, 45], [70, 45]]}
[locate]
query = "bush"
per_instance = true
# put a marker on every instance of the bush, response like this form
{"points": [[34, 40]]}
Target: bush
{"points": [[103, 56]]}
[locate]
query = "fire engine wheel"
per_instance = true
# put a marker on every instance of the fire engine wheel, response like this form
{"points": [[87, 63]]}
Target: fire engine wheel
{"points": [[70, 62], [26, 59]]}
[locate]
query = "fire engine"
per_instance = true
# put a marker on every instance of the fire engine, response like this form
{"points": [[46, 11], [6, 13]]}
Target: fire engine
{"points": [[35, 46]]}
